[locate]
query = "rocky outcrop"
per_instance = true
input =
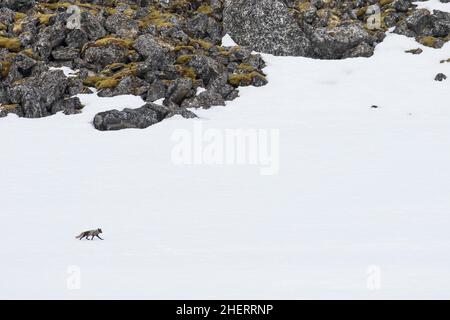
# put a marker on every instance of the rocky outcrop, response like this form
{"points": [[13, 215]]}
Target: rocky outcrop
{"points": [[329, 29], [341, 42], [296, 28], [430, 29], [155, 49], [37, 96]]}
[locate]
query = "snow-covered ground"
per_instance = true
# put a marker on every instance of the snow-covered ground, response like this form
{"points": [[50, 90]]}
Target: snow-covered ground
{"points": [[360, 207], [433, 5]]}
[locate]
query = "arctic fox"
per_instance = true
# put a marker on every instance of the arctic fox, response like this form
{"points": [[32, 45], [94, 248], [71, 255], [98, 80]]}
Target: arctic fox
{"points": [[92, 233]]}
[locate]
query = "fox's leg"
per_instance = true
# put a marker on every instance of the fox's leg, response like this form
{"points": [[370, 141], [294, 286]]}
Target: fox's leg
{"points": [[82, 236], [99, 237]]}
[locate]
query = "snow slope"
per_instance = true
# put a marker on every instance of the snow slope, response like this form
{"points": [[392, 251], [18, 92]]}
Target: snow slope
{"points": [[357, 187], [433, 5]]}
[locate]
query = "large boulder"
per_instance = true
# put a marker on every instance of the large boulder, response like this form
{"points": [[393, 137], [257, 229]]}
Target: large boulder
{"points": [[36, 95], [341, 42], [266, 26], [107, 54], [139, 118], [274, 26]]}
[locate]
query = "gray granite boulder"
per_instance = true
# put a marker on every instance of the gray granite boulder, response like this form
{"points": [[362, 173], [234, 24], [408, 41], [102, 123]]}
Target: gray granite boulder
{"points": [[266, 26]]}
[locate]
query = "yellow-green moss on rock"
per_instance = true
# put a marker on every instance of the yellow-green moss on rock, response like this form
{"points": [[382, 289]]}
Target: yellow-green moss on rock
{"points": [[245, 79], [12, 44]]}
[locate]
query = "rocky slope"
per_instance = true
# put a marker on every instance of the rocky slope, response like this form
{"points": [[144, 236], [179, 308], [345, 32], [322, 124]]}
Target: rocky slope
{"points": [[150, 48], [171, 49], [330, 29]]}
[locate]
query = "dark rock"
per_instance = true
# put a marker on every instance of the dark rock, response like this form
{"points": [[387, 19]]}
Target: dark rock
{"points": [[49, 38], [74, 86], [7, 16], [179, 90], [128, 85], [187, 114], [440, 77], [92, 26], [401, 5], [18, 5], [65, 53], [429, 29], [339, 42], [418, 21], [36, 95], [24, 64], [157, 90], [105, 55], [140, 118], [220, 85], [206, 68], [414, 51], [76, 38], [205, 100], [204, 27], [67, 106]]}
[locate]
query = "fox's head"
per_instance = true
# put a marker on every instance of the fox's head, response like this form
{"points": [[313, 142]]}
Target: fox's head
{"points": [[99, 230]]}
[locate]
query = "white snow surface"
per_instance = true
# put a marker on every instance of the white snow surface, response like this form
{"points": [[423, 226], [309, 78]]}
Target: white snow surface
{"points": [[433, 5], [357, 187]]}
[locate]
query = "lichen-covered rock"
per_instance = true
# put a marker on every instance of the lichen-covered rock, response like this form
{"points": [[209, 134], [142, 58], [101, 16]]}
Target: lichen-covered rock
{"points": [[18, 5], [49, 38], [341, 42], [328, 29], [206, 68], [205, 27], [106, 54], [92, 26], [266, 26], [122, 26], [154, 49], [205, 100], [36, 95], [65, 53], [178, 91], [148, 47], [139, 118], [67, 106], [430, 29], [157, 90]]}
